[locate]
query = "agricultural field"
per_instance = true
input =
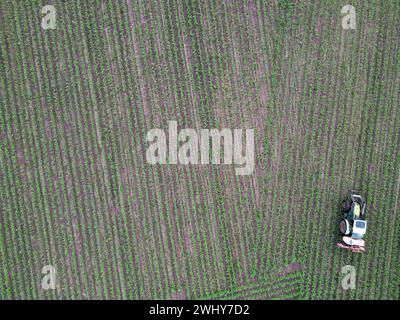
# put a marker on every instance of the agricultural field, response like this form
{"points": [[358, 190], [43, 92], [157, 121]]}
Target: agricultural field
{"points": [[78, 194]]}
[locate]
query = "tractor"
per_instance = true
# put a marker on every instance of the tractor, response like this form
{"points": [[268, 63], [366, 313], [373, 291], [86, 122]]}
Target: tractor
{"points": [[353, 225]]}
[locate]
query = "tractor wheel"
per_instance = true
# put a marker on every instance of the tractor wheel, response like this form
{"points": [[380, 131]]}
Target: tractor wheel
{"points": [[344, 227], [346, 206]]}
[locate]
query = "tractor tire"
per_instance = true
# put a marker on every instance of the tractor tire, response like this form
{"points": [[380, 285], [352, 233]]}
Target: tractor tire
{"points": [[346, 206], [363, 215], [345, 227]]}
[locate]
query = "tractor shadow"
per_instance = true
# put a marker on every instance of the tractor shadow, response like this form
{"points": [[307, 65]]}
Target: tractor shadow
{"points": [[337, 217]]}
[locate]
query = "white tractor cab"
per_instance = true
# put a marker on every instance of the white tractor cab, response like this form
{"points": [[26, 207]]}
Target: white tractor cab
{"points": [[353, 225]]}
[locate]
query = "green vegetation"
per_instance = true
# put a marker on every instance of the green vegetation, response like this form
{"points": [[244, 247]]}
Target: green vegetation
{"points": [[77, 193]]}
